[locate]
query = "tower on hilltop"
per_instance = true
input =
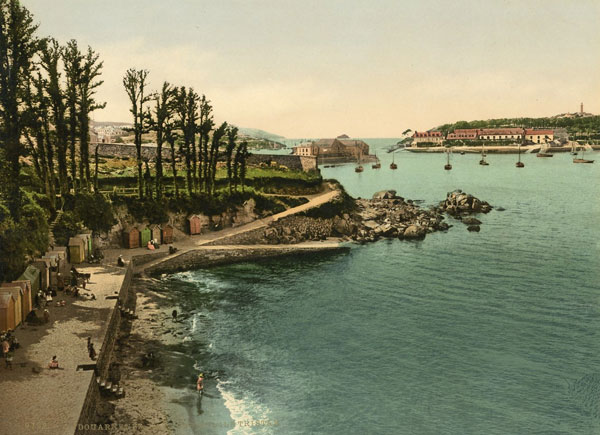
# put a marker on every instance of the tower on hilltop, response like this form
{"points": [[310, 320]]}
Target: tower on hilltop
{"points": [[581, 109]]}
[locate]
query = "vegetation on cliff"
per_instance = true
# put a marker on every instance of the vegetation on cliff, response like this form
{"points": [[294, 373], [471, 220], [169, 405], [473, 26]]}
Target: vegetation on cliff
{"points": [[588, 127]]}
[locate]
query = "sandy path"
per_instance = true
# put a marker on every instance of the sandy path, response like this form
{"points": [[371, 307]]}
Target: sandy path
{"points": [[37, 400]]}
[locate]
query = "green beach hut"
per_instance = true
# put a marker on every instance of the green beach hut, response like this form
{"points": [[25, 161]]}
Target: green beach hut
{"points": [[34, 276], [145, 236]]}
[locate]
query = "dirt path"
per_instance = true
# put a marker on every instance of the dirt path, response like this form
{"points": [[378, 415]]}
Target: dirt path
{"points": [[201, 241], [37, 400]]}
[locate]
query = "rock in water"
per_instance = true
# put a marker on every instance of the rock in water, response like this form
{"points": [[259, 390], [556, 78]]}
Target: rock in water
{"points": [[471, 221], [414, 232], [473, 228]]}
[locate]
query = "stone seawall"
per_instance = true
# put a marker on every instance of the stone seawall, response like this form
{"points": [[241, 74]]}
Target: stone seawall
{"points": [[87, 424], [226, 255]]}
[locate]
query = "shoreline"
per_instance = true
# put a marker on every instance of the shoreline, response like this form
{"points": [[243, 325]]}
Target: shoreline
{"points": [[508, 149], [163, 398]]}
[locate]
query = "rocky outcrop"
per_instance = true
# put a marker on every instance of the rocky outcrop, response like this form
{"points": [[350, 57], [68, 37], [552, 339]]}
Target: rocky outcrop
{"points": [[388, 215], [459, 204]]}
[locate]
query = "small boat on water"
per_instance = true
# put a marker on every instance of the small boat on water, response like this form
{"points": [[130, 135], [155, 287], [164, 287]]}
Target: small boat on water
{"points": [[544, 153], [483, 162], [581, 159], [359, 168], [448, 166], [393, 165], [377, 164], [519, 163]]}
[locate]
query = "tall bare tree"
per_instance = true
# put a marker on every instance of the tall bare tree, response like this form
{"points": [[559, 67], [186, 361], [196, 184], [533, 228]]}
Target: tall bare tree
{"points": [[50, 55], [72, 60], [163, 111], [135, 86], [88, 83]]}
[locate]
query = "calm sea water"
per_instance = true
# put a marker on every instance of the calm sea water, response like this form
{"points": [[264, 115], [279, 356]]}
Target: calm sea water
{"points": [[496, 332]]}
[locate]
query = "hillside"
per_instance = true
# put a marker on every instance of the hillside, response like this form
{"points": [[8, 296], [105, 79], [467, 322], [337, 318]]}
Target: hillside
{"points": [[259, 134], [580, 126]]}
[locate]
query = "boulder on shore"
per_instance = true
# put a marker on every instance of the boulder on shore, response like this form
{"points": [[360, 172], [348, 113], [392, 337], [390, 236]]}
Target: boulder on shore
{"points": [[385, 194]]}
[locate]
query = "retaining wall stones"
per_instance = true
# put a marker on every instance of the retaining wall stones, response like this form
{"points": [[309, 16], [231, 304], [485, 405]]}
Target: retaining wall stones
{"points": [[304, 163]]}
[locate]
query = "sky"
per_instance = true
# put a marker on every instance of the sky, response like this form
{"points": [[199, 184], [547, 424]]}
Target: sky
{"points": [[366, 68]]}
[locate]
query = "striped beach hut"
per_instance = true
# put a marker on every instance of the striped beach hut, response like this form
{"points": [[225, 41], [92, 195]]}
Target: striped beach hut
{"points": [[27, 302], [43, 265], [131, 238], [7, 312], [76, 250], [17, 293], [167, 234]]}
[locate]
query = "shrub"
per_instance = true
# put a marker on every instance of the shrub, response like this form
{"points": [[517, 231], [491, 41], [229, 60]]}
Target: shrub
{"points": [[95, 212], [68, 225]]}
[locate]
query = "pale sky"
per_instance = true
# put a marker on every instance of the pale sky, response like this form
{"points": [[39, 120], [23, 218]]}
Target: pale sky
{"points": [[320, 68]]}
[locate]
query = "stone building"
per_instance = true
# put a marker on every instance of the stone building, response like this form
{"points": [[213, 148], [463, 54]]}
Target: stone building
{"points": [[539, 136], [432, 136], [334, 150]]}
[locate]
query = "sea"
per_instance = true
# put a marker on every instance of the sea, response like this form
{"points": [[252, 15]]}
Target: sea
{"points": [[496, 332]]}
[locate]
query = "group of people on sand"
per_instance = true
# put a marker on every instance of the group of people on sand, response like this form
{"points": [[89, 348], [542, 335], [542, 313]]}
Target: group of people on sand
{"points": [[9, 345], [153, 244]]}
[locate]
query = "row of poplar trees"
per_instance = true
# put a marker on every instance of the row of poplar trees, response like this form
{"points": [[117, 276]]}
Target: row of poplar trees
{"points": [[179, 116], [46, 97]]}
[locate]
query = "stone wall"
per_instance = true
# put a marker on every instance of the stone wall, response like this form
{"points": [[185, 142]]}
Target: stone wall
{"points": [[128, 150], [304, 163], [213, 257]]}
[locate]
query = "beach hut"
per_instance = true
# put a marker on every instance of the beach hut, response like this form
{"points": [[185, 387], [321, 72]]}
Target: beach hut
{"points": [[54, 260], [76, 250], [145, 236], [7, 312], [17, 294], [43, 265], [87, 243], [33, 275], [195, 224], [131, 238], [26, 303], [63, 262], [155, 232], [167, 234]]}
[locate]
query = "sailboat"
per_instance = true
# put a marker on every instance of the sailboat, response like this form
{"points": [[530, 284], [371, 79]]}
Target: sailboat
{"points": [[483, 162], [448, 166], [359, 168], [582, 160], [520, 164], [544, 152], [393, 165], [377, 164]]}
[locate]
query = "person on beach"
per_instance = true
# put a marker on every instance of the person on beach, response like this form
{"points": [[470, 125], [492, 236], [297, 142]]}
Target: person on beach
{"points": [[8, 358], [5, 346], [174, 314], [92, 352], [46, 316], [120, 261], [53, 364], [200, 383]]}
